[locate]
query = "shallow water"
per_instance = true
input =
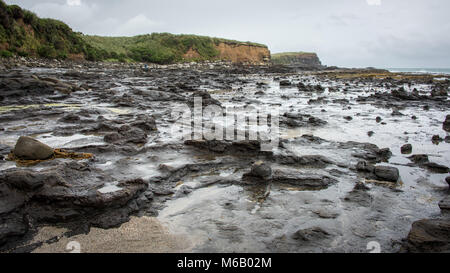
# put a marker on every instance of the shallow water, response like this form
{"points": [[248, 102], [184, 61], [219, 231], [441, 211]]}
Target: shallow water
{"points": [[229, 217]]}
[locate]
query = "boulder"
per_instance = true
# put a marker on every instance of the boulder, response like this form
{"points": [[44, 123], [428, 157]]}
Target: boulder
{"points": [[285, 83], [260, 170], [406, 149], [385, 173], [31, 149], [446, 125], [428, 236]]}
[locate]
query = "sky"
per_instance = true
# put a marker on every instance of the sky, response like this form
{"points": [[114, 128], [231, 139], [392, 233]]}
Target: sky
{"points": [[347, 33]]}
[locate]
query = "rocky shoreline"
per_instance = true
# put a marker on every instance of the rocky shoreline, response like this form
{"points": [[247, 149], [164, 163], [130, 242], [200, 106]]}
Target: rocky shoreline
{"points": [[340, 177]]}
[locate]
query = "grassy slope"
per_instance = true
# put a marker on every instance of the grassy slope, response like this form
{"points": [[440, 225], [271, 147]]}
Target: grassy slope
{"points": [[23, 33], [160, 47]]}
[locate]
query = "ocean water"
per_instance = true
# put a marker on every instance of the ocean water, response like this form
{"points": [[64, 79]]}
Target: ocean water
{"points": [[421, 70]]}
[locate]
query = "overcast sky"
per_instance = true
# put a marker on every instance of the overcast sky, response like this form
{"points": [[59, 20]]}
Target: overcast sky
{"points": [[351, 33]]}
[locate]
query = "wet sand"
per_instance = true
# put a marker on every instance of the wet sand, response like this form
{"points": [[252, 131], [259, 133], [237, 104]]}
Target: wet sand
{"points": [[140, 235]]}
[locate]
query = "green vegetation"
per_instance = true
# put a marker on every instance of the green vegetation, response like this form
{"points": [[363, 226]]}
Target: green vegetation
{"points": [[162, 48], [24, 34]]}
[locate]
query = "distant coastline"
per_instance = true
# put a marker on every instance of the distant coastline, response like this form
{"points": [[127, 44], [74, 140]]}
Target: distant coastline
{"points": [[421, 70]]}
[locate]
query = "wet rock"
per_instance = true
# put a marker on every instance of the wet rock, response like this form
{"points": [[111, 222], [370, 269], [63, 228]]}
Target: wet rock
{"points": [[444, 204], [436, 139], [311, 234], [406, 149], [368, 152], [31, 149], [363, 166], [296, 120], [285, 83], [446, 125], [70, 118], [145, 123], [385, 173], [206, 99], [419, 159], [183, 191], [326, 214], [306, 181], [428, 236], [396, 112], [316, 161], [260, 170], [439, 91], [222, 146], [67, 193], [127, 134], [359, 195], [437, 168]]}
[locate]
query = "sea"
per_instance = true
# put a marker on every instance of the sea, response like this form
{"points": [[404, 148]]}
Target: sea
{"points": [[421, 70]]}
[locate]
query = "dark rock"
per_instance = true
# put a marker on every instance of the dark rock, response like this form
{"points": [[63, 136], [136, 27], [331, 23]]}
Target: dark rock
{"points": [[69, 192], [444, 204], [370, 133], [396, 112], [428, 236], [379, 119], [311, 234], [385, 173], [406, 149], [349, 118], [361, 186], [446, 125], [436, 139], [316, 161], [437, 168], [419, 159], [363, 166], [222, 146], [260, 170], [285, 83], [306, 181], [447, 180], [31, 149], [359, 195], [70, 118]]}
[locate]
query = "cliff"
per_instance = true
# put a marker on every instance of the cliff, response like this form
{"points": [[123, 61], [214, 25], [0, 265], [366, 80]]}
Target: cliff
{"points": [[243, 53], [298, 59], [25, 34], [167, 48]]}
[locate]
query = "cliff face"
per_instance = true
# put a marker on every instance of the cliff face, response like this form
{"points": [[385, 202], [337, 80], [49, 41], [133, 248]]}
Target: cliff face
{"points": [[298, 59], [235, 53], [243, 53]]}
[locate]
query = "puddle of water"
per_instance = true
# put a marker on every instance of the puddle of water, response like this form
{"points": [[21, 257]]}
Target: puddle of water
{"points": [[109, 188]]}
